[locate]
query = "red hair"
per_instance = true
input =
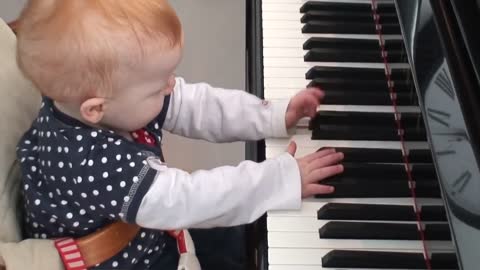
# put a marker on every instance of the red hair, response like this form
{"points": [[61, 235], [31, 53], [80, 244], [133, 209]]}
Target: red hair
{"points": [[75, 49]]}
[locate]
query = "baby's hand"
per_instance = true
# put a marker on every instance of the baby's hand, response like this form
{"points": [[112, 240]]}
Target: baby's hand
{"points": [[303, 104], [316, 167]]}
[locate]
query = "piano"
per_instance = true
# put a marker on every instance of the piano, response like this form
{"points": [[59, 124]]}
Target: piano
{"points": [[402, 83]]}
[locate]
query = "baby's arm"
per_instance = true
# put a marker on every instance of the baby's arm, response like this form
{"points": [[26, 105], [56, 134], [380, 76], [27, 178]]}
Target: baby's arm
{"points": [[219, 115], [229, 196], [224, 196]]}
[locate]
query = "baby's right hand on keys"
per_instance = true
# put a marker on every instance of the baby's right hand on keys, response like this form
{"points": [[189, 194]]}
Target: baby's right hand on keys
{"points": [[316, 167]]}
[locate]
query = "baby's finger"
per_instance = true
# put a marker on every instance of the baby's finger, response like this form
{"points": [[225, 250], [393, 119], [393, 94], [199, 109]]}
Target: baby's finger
{"points": [[323, 173], [321, 153], [317, 92], [313, 189], [327, 160]]}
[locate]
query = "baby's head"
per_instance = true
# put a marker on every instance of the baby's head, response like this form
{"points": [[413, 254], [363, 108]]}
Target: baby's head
{"points": [[107, 62]]}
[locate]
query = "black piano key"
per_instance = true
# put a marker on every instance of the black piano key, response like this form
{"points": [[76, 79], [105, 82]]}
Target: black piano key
{"points": [[369, 230], [383, 231], [350, 16], [339, 97], [438, 232], [365, 119], [359, 74], [347, 7], [371, 171], [349, 43], [366, 133], [433, 213], [352, 211], [373, 259], [353, 55], [372, 155], [363, 188], [363, 86], [420, 156], [444, 261], [378, 155], [346, 27]]}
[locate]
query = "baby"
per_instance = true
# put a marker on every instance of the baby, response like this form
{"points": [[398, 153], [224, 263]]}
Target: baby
{"points": [[93, 155]]}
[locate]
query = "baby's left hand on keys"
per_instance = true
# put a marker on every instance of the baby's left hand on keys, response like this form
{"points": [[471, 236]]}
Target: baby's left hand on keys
{"points": [[303, 104]]}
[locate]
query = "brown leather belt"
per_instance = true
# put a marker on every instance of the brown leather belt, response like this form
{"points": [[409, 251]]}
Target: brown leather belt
{"points": [[102, 245]]}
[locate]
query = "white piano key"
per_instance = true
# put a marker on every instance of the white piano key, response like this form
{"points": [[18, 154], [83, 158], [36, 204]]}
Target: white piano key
{"points": [[291, 33], [281, 16], [284, 53], [283, 43], [310, 206], [281, 24], [290, 62], [305, 145], [289, 82], [312, 240], [310, 257], [281, 7]]}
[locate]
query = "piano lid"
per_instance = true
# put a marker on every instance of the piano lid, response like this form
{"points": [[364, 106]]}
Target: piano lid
{"points": [[444, 52]]}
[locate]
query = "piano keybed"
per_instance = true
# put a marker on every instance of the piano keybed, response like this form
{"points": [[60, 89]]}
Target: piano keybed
{"points": [[371, 221]]}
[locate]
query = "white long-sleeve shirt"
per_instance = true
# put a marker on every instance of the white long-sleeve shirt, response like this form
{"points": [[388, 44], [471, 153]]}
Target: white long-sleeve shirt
{"points": [[227, 195]]}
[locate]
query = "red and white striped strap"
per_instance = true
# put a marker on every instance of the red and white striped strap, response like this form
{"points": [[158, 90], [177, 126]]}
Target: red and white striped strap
{"points": [[68, 250], [186, 248], [184, 241]]}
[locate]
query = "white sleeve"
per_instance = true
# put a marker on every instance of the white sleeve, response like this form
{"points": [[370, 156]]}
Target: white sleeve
{"points": [[224, 196], [201, 111]]}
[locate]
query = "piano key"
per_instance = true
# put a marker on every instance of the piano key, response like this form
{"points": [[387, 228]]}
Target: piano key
{"points": [[279, 223], [380, 155], [352, 7], [310, 206], [342, 27], [401, 89], [374, 171], [311, 259], [363, 188], [366, 98], [271, 31], [275, 147], [353, 55], [301, 2], [433, 213], [311, 240], [359, 74], [298, 62], [437, 232], [385, 231], [373, 259], [420, 155], [444, 261], [350, 211], [335, 15], [365, 118], [337, 132]]}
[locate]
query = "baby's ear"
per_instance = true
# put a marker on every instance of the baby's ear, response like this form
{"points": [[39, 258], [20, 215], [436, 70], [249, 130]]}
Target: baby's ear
{"points": [[92, 110]]}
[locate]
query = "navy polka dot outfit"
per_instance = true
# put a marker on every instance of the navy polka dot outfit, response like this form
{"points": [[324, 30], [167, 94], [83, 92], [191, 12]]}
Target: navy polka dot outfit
{"points": [[77, 179]]}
